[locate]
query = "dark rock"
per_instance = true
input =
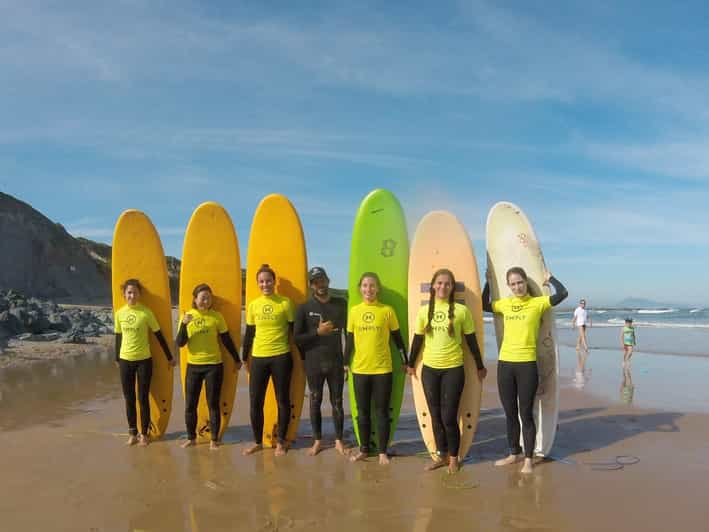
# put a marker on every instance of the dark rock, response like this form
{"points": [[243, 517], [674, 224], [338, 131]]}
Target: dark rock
{"points": [[10, 323], [59, 322], [19, 313], [36, 322], [73, 337]]}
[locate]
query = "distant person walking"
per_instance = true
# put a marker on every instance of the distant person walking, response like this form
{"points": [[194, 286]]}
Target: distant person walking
{"points": [[581, 320], [628, 340]]}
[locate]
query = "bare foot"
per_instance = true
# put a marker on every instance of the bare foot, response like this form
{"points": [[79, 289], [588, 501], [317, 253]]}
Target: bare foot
{"points": [[436, 464], [340, 447], [511, 459], [214, 445], [143, 440], [188, 443], [132, 440], [383, 459], [359, 456], [315, 449], [453, 465], [251, 450], [281, 450], [528, 466]]}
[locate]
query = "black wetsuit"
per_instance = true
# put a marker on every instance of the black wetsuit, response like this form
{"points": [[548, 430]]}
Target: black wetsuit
{"points": [[142, 370], [517, 384], [323, 357], [370, 388], [279, 368], [443, 388]]}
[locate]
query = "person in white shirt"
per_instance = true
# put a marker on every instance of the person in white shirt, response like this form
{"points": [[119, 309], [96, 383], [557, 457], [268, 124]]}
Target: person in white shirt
{"points": [[581, 320]]}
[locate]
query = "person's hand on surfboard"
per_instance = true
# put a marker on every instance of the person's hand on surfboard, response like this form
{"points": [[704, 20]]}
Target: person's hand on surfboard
{"points": [[482, 373], [547, 276], [411, 372], [172, 362], [237, 367], [488, 275], [187, 318], [347, 372]]}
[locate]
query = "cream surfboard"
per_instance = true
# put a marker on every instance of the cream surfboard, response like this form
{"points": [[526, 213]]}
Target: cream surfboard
{"points": [[277, 239], [511, 241], [138, 254], [210, 254], [441, 241]]}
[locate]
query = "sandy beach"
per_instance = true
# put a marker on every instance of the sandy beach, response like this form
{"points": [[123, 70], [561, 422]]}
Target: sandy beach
{"points": [[615, 465]]}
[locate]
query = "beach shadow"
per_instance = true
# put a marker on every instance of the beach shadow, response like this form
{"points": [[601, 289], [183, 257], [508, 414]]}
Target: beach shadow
{"points": [[590, 434], [578, 412], [574, 435]]}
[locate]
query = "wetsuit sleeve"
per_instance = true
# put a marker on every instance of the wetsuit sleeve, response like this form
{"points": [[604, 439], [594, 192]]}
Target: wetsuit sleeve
{"points": [[349, 348], [302, 336], [416, 345], [119, 340], [248, 341], [399, 343], [487, 303], [472, 342], [227, 342], [161, 340], [560, 291], [182, 335]]}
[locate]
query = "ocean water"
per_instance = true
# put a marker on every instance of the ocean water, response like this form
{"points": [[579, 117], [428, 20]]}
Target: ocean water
{"points": [[682, 318], [668, 331]]}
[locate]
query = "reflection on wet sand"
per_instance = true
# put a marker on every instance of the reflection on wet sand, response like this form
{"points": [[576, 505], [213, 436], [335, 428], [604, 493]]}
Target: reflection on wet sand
{"points": [[627, 389], [581, 373], [48, 392], [89, 480]]}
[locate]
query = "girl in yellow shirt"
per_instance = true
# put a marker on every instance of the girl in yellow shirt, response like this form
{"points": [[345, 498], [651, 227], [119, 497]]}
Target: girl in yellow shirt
{"points": [[441, 327], [517, 376], [369, 327], [132, 324], [267, 353], [199, 330]]}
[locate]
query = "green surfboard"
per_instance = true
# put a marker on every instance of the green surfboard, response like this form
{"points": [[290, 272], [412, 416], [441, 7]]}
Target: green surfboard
{"points": [[380, 244]]}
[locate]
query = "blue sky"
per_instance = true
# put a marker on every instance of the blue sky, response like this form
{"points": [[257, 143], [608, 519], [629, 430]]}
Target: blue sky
{"points": [[593, 118]]}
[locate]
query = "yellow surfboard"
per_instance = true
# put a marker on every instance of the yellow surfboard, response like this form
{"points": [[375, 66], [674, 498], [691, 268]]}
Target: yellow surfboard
{"points": [[277, 239], [138, 254], [210, 254], [441, 241]]}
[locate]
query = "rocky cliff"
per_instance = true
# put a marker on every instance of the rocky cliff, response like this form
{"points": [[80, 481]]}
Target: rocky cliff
{"points": [[39, 258]]}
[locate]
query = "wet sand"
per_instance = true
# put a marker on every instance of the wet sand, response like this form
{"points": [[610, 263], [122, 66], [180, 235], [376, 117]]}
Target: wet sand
{"points": [[64, 466]]}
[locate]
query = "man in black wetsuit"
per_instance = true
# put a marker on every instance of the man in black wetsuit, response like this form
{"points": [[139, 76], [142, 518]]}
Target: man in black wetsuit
{"points": [[318, 329]]}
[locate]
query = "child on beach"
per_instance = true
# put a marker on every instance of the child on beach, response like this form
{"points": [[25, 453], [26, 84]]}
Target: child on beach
{"points": [[627, 340]]}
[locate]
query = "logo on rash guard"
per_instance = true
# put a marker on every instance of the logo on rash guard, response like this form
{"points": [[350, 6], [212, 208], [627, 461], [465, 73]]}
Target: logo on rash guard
{"points": [[200, 323], [517, 308], [131, 319], [439, 316], [368, 317], [267, 313]]}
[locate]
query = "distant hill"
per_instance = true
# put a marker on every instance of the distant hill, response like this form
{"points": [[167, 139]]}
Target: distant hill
{"points": [[638, 302]]}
